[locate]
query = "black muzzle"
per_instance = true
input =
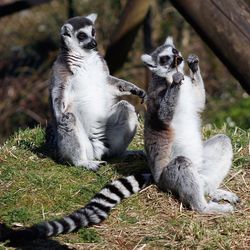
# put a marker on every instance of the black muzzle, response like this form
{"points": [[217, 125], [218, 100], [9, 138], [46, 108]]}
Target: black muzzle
{"points": [[91, 45]]}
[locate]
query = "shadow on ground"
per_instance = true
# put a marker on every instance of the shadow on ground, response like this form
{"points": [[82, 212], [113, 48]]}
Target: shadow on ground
{"points": [[39, 245]]}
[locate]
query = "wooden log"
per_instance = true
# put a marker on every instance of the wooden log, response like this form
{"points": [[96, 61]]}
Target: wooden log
{"points": [[225, 26], [10, 8], [125, 33]]}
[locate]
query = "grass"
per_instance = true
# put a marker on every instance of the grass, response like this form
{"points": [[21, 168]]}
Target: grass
{"points": [[34, 187]]}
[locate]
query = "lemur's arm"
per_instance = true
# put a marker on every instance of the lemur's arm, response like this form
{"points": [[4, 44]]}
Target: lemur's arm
{"points": [[198, 85], [57, 104], [58, 101], [122, 87], [169, 100], [59, 91]]}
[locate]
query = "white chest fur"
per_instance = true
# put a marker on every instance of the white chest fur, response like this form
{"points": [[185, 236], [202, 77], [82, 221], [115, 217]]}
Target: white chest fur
{"points": [[88, 92], [186, 125]]}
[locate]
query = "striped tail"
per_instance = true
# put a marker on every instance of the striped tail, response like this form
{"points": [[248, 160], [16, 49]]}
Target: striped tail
{"points": [[94, 212]]}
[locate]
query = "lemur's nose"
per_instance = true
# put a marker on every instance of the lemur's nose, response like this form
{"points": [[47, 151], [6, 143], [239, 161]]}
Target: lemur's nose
{"points": [[93, 43]]}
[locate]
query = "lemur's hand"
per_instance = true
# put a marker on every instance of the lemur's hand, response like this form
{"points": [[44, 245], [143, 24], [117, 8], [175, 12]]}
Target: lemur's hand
{"points": [[177, 78], [193, 63], [67, 121], [139, 92]]}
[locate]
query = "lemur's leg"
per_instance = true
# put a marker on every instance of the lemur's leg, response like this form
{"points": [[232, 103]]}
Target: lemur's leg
{"points": [[198, 85], [217, 160], [181, 178], [121, 128], [121, 87], [73, 143]]}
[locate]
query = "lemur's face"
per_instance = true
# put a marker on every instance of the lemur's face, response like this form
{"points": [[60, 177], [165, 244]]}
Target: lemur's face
{"points": [[164, 59], [78, 33]]}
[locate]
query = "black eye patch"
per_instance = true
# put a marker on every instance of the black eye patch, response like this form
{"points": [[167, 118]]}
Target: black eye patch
{"points": [[164, 60], [82, 36], [175, 51], [93, 32]]}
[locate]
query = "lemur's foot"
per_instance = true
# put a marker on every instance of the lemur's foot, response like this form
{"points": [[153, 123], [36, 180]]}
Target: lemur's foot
{"points": [[221, 194], [215, 208], [193, 62], [67, 121], [177, 78]]}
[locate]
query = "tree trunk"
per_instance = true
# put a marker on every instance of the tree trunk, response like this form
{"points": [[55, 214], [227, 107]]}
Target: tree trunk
{"points": [[10, 8], [125, 33], [225, 26]]}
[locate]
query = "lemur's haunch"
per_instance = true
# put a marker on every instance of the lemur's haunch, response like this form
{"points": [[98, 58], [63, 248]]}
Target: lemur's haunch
{"points": [[180, 162], [93, 213], [88, 123]]}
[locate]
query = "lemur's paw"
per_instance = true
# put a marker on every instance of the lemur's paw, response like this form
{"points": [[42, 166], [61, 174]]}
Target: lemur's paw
{"points": [[139, 92], [220, 194], [226, 208], [193, 62], [177, 78], [68, 118], [67, 121], [215, 208]]}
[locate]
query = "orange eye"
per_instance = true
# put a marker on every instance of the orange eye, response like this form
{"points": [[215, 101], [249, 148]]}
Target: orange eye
{"points": [[82, 36]]}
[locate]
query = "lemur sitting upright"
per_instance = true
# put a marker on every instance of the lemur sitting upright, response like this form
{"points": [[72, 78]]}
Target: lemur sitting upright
{"points": [[180, 162], [88, 123]]}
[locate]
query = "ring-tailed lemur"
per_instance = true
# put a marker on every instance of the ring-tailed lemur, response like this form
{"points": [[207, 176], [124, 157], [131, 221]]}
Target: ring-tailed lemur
{"points": [[88, 123], [93, 213], [180, 162]]}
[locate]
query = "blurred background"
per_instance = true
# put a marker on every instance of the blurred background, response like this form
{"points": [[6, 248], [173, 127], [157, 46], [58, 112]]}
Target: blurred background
{"points": [[30, 41]]}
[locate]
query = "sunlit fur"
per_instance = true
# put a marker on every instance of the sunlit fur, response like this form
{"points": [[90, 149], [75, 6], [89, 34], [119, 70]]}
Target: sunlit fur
{"points": [[89, 122], [179, 160], [93, 213]]}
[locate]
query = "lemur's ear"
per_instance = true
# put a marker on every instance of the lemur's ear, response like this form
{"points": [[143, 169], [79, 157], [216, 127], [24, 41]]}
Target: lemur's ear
{"points": [[169, 41], [92, 17], [148, 60]]}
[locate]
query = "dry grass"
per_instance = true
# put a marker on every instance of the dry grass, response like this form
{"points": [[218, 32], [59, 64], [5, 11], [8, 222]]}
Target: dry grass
{"points": [[34, 188], [157, 221]]}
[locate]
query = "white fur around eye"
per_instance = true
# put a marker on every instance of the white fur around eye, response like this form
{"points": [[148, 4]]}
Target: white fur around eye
{"points": [[166, 52], [87, 30]]}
